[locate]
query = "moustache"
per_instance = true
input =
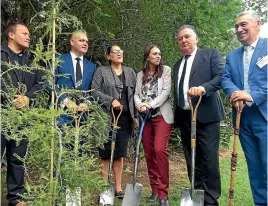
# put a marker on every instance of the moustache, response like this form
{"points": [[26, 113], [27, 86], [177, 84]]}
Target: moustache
{"points": [[239, 33]]}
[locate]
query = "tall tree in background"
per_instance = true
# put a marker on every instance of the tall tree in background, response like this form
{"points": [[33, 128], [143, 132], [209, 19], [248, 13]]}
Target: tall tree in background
{"points": [[259, 6]]}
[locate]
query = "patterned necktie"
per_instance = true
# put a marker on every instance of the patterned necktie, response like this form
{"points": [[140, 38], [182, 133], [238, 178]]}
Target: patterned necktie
{"points": [[181, 92], [248, 55], [246, 67], [78, 79]]}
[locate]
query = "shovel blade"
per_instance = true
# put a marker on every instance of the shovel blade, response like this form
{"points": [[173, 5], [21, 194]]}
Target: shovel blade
{"points": [[132, 195], [107, 197], [187, 200]]}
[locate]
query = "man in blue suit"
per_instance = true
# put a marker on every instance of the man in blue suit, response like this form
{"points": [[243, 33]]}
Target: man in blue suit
{"points": [[245, 82], [74, 72]]}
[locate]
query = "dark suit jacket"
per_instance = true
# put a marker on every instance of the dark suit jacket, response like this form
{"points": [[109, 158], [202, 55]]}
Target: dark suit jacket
{"points": [[206, 71], [64, 76], [32, 80]]}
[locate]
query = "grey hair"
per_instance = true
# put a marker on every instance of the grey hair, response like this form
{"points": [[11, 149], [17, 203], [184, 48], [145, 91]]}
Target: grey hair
{"points": [[75, 33], [187, 26], [250, 13]]}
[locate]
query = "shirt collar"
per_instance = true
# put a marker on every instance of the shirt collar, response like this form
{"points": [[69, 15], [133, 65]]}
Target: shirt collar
{"points": [[193, 53], [74, 56], [11, 52], [254, 44]]}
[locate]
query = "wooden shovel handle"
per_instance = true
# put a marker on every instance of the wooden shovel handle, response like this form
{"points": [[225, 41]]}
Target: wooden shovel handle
{"points": [[234, 157], [194, 110], [115, 120]]}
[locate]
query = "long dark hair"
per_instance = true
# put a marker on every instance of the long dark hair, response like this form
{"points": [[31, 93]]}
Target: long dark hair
{"points": [[145, 64]]}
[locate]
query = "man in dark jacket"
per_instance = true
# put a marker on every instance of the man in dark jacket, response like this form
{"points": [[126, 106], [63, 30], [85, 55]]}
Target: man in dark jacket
{"points": [[18, 39], [199, 71]]}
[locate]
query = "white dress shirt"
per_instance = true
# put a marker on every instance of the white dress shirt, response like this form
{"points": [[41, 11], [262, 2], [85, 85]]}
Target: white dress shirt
{"points": [[74, 64], [66, 100], [254, 44], [190, 61]]}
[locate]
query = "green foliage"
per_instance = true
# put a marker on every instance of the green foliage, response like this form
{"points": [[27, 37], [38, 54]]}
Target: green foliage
{"points": [[259, 6], [56, 160], [133, 25], [35, 124]]}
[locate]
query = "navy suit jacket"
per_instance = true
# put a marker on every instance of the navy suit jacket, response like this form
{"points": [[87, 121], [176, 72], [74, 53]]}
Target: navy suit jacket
{"points": [[64, 75], [206, 71], [233, 77]]}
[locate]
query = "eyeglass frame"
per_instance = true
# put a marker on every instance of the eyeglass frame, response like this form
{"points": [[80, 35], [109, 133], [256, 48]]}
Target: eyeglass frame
{"points": [[120, 51]]}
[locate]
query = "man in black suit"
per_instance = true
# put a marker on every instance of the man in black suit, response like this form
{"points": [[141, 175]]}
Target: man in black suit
{"points": [[18, 40], [199, 71]]}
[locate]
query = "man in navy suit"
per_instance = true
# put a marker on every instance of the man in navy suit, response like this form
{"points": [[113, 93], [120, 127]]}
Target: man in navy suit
{"points": [[74, 72], [245, 82], [199, 71]]}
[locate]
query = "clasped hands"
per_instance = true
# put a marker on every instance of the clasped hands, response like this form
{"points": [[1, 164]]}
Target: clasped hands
{"points": [[21, 101], [143, 107], [239, 98], [72, 106]]}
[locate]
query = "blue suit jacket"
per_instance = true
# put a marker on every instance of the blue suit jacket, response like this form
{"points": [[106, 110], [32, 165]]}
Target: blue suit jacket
{"points": [[64, 76], [233, 77]]}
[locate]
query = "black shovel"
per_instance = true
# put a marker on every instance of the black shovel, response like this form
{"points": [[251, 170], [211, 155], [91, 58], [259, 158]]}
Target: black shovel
{"points": [[107, 197], [192, 197], [133, 191]]}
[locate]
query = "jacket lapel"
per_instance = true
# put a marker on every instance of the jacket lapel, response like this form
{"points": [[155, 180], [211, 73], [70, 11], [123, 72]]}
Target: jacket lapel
{"points": [[69, 62], [256, 54], [85, 74], [240, 64], [196, 61], [176, 73], [129, 81], [160, 84]]}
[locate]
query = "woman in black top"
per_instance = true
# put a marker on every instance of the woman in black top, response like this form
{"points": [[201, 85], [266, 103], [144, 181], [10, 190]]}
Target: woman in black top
{"points": [[114, 86]]}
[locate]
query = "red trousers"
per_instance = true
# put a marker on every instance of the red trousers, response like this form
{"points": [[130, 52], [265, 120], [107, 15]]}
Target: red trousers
{"points": [[155, 138]]}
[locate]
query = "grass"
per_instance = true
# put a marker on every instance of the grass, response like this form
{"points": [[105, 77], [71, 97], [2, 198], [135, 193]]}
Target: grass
{"points": [[242, 189]]}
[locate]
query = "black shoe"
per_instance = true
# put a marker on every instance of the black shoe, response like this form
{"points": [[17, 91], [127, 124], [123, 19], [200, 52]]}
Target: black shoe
{"points": [[163, 202], [120, 195], [153, 198]]}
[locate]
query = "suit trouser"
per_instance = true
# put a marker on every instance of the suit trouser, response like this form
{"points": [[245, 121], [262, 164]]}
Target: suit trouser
{"points": [[155, 138], [15, 169], [207, 173], [253, 138]]}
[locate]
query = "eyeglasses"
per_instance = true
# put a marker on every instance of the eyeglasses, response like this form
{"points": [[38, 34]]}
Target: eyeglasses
{"points": [[117, 51]]}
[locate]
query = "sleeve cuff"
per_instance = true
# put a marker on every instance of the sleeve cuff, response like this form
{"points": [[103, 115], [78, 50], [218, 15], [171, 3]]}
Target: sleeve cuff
{"points": [[203, 88], [64, 102]]}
